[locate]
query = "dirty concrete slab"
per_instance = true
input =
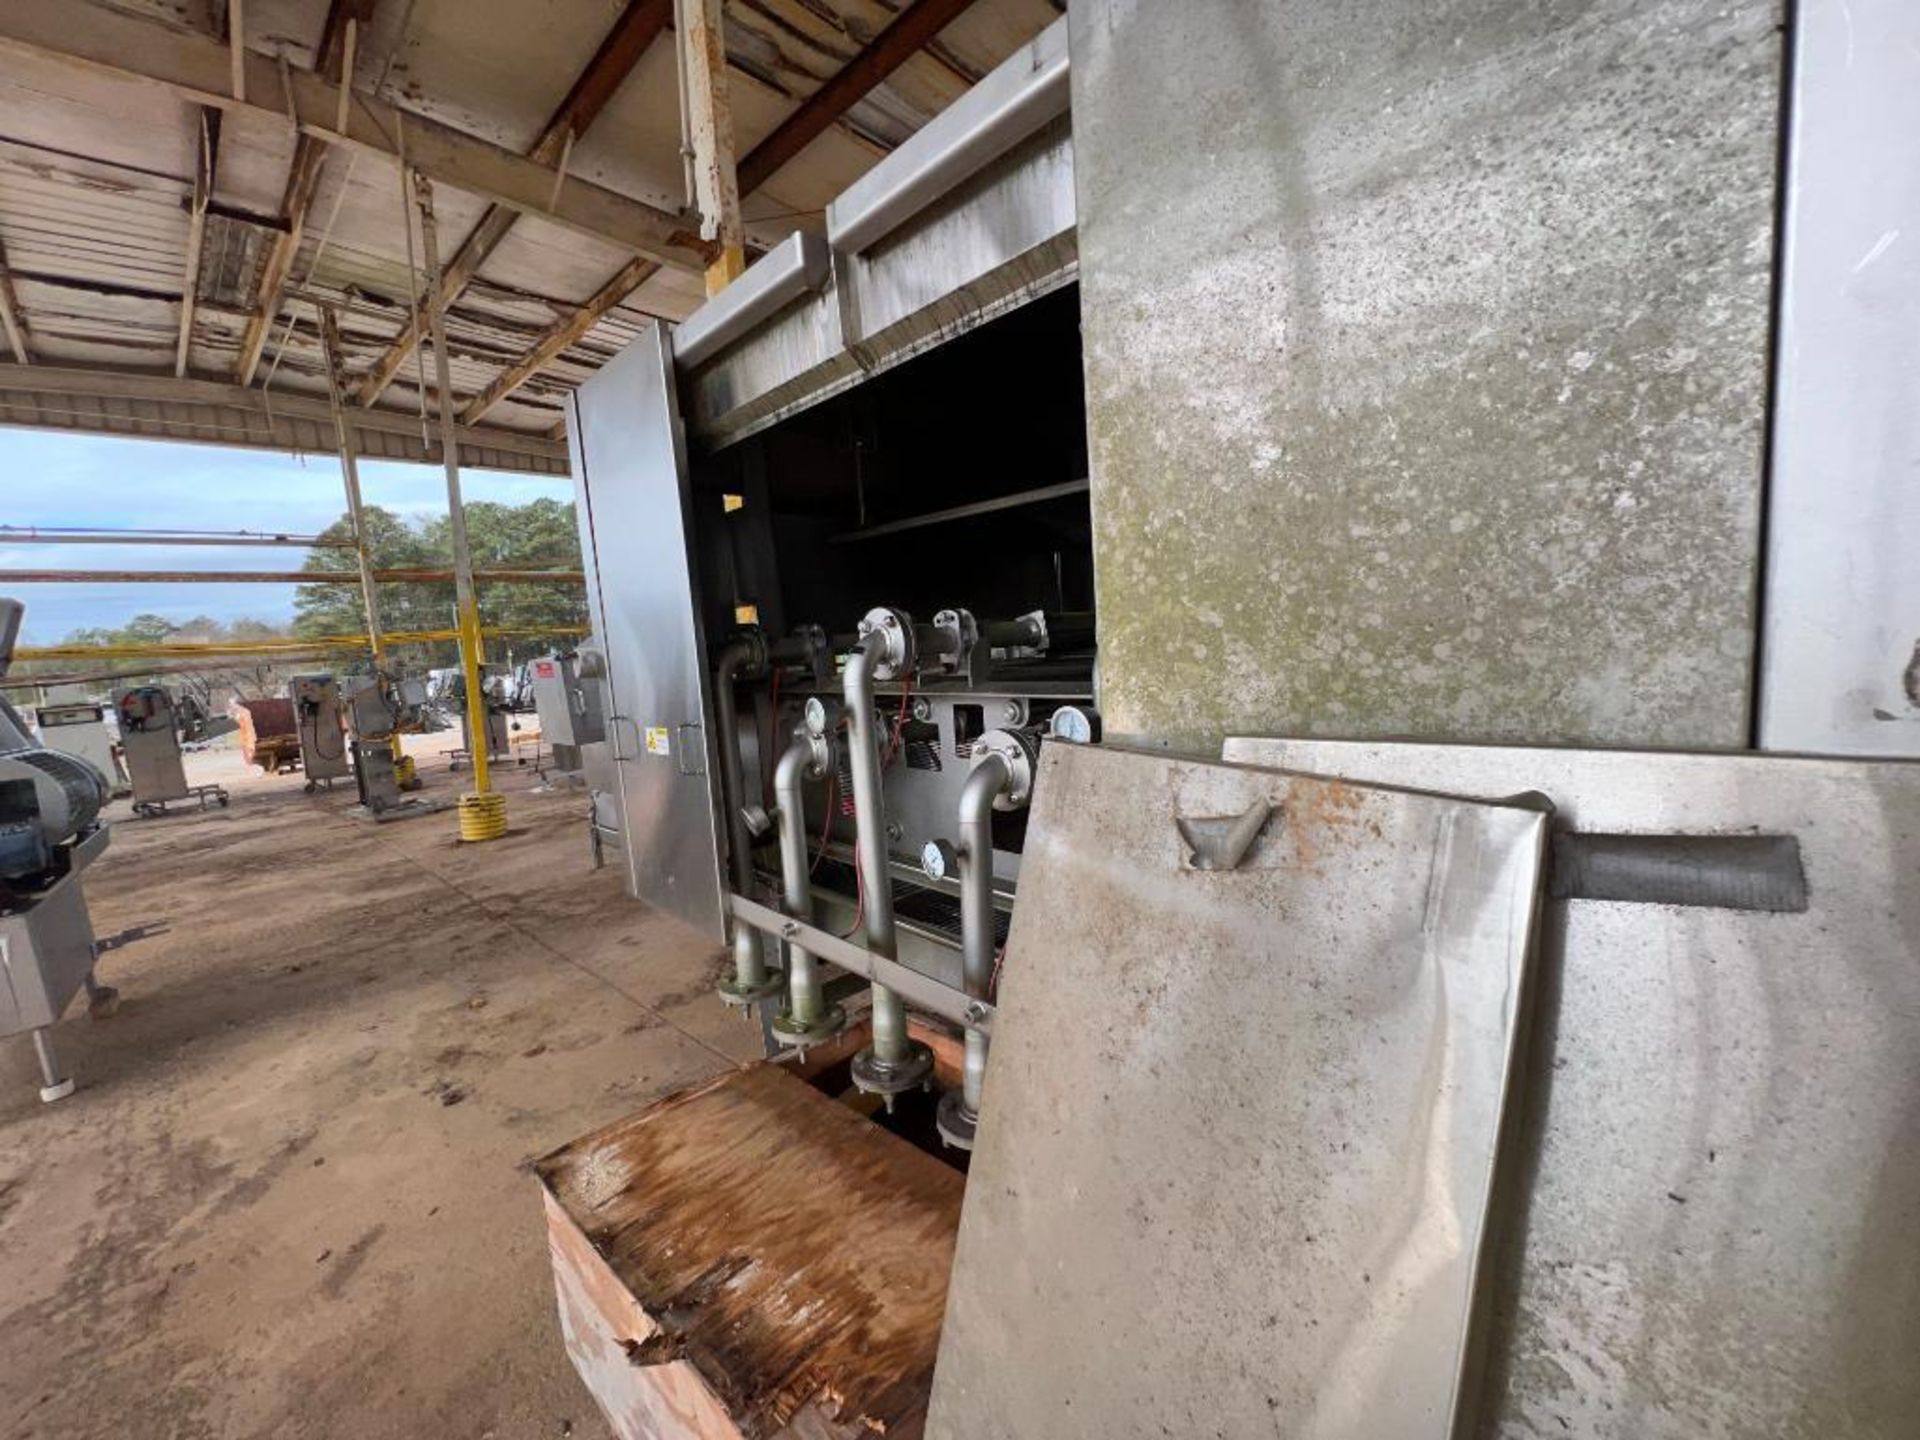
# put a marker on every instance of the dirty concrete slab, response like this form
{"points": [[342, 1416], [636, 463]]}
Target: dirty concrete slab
{"points": [[289, 1198]]}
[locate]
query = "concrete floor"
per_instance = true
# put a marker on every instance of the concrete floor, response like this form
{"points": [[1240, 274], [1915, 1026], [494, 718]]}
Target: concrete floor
{"points": [[289, 1198]]}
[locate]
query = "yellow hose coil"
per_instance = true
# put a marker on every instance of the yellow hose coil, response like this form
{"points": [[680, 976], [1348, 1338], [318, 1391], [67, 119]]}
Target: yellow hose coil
{"points": [[483, 817]]}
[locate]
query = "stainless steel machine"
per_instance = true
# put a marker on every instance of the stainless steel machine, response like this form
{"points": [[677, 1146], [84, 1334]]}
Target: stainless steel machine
{"points": [[569, 710], [50, 831], [841, 556], [322, 728], [79, 728], [379, 708], [150, 742]]}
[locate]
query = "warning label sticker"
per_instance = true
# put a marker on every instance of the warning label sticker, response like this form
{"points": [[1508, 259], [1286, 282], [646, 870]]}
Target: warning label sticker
{"points": [[658, 742]]}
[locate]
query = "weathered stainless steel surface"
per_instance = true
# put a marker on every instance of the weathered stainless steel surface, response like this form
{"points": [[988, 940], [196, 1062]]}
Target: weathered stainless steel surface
{"points": [[1237, 1139], [784, 274], [630, 485], [1718, 1142], [1840, 671], [972, 220], [1010, 209], [1024, 93], [46, 954], [1426, 363]]}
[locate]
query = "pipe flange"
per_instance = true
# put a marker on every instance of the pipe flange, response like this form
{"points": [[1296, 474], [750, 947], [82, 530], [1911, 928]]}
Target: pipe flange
{"points": [[1020, 750], [893, 1077], [896, 626], [798, 1036], [740, 995], [955, 1122]]}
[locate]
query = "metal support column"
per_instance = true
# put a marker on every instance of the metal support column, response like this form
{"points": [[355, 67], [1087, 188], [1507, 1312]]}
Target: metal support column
{"points": [[483, 814], [350, 478]]}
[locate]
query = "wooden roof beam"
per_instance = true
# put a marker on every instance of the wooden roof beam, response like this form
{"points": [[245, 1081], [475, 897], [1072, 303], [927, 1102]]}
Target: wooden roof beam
{"points": [[637, 28], [196, 67], [909, 33], [204, 158], [556, 341], [11, 320]]}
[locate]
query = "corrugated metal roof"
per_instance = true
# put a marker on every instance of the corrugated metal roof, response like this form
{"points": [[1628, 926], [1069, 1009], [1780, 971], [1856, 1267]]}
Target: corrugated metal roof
{"points": [[96, 180]]}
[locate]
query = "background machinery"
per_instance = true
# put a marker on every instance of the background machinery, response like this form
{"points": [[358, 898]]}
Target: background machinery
{"points": [[321, 728], [150, 742], [50, 831]]}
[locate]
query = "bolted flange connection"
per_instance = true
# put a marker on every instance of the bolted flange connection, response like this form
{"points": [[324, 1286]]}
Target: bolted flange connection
{"points": [[955, 1122], [893, 1077], [898, 656], [799, 1035], [735, 993]]}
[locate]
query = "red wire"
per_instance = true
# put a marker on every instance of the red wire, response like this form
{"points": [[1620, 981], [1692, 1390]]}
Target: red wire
{"points": [[826, 828]]}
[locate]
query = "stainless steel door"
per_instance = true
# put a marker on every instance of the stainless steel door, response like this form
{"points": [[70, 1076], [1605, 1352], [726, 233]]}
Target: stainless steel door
{"points": [[630, 477]]}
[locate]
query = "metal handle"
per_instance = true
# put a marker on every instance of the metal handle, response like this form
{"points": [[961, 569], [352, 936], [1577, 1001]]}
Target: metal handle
{"points": [[684, 749], [613, 735]]}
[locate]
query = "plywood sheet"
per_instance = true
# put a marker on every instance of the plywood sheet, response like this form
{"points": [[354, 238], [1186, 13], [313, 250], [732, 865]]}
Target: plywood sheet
{"points": [[1240, 1123], [788, 1258]]}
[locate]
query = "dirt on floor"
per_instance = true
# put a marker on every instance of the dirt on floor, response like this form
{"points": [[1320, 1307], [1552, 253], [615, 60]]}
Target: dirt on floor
{"points": [[290, 1197]]}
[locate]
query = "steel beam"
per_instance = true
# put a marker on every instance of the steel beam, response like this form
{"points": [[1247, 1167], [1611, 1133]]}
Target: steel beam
{"points": [[197, 68], [248, 414]]}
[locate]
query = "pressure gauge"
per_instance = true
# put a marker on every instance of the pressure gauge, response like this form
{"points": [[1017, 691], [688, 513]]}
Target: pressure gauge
{"points": [[1076, 724], [816, 716], [938, 859]]}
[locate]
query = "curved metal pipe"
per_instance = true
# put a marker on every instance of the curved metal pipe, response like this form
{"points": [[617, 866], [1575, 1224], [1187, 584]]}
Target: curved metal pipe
{"points": [[749, 959], [734, 658], [985, 783], [863, 757], [805, 1000]]}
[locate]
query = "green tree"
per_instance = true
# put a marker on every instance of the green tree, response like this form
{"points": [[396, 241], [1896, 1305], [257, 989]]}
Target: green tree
{"points": [[539, 535]]}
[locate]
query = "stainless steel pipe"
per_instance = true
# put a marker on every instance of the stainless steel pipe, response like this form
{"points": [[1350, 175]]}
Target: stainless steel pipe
{"points": [[808, 1019], [985, 783], [749, 981], [893, 1062], [870, 845]]}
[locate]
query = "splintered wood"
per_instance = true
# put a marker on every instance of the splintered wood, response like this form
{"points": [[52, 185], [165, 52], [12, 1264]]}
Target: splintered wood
{"points": [[751, 1258]]}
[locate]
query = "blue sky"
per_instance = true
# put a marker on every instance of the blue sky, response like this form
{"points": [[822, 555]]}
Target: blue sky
{"points": [[57, 478]]}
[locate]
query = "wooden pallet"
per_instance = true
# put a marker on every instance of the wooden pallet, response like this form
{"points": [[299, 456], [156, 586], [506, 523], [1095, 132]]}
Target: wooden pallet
{"points": [[752, 1258]]}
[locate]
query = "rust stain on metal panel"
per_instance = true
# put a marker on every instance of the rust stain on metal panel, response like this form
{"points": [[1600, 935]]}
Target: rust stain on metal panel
{"points": [[786, 1251]]}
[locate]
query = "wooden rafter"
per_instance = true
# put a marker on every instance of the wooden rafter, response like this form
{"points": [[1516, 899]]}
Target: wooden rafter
{"points": [[205, 157], [905, 37], [11, 320], [303, 182], [910, 32], [703, 70], [636, 29], [555, 342], [194, 66]]}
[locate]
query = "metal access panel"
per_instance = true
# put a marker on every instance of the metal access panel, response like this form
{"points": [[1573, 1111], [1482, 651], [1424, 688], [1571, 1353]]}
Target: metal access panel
{"points": [[1426, 372], [1718, 1134], [150, 742], [1840, 667], [630, 480], [46, 954], [322, 728], [1249, 1069]]}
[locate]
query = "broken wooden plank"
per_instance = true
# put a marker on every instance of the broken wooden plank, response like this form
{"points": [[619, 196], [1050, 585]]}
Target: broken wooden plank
{"points": [[751, 1258]]}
